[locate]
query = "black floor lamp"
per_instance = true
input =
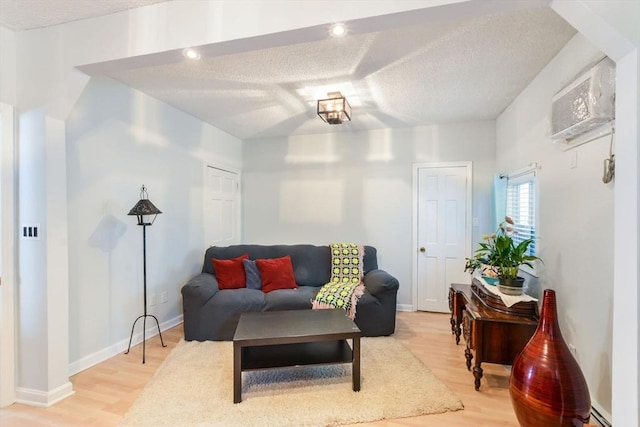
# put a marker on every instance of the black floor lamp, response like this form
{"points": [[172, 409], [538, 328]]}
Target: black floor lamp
{"points": [[143, 208]]}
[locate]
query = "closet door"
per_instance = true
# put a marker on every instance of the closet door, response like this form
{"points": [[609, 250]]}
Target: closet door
{"points": [[443, 232], [221, 206]]}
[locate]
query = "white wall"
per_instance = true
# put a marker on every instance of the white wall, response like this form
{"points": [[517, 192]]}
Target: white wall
{"points": [[7, 216], [7, 66], [8, 238], [356, 187], [614, 28], [117, 140], [32, 304], [576, 215]]}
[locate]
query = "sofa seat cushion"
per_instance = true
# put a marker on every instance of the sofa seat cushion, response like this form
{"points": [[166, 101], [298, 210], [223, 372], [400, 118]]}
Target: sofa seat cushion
{"points": [[242, 299], [290, 299]]}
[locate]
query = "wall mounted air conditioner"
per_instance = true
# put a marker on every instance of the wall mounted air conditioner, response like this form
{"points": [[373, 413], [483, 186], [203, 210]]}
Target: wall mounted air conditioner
{"points": [[585, 104]]}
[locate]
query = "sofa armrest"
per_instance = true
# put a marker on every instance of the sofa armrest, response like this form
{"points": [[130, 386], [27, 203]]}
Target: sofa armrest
{"points": [[195, 294], [200, 288], [377, 281]]}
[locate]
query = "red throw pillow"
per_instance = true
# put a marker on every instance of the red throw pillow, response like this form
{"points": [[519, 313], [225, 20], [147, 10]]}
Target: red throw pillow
{"points": [[230, 272], [276, 273]]}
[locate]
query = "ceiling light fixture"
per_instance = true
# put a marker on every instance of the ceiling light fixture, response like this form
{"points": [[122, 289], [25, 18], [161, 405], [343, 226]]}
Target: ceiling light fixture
{"points": [[338, 30], [335, 109], [191, 54]]}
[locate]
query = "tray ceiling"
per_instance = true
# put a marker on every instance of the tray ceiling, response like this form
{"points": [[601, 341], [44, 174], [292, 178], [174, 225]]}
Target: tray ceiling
{"points": [[393, 75]]}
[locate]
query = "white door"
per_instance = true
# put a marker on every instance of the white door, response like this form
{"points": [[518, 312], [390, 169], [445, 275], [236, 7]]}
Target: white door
{"points": [[443, 231], [222, 206]]}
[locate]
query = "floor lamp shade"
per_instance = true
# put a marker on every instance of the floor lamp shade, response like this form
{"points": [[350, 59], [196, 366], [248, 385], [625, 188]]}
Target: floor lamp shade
{"points": [[144, 208]]}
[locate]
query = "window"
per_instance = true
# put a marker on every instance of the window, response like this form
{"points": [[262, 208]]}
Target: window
{"points": [[521, 207]]}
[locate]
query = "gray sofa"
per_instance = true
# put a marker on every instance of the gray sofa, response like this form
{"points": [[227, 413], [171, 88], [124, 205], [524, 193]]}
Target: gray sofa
{"points": [[213, 314]]}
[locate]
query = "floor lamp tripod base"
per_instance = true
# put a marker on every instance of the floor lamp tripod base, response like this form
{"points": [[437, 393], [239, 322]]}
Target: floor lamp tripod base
{"points": [[144, 330]]}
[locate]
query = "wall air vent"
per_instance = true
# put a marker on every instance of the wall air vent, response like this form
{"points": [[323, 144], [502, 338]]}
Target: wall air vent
{"points": [[585, 104]]}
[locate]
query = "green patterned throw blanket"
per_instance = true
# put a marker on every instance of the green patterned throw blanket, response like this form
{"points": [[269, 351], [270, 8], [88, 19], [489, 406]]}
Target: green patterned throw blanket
{"points": [[345, 288]]}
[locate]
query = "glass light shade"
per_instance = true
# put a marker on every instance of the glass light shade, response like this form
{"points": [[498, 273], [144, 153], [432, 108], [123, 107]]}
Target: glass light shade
{"points": [[334, 110]]}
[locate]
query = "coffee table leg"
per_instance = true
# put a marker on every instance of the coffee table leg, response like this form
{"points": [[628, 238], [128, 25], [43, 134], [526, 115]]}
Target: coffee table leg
{"points": [[356, 364], [237, 373]]}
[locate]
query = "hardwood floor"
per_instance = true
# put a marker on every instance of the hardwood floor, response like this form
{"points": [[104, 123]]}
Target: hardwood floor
{"points": [[104, 393]]}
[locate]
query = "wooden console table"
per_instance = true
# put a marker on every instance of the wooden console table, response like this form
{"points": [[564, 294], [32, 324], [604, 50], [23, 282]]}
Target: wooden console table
{"points": [[493, 333]]}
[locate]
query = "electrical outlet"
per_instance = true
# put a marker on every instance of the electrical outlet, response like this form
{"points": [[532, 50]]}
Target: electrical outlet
{"points": [[164, 297], [153, 299], [572, 349]]}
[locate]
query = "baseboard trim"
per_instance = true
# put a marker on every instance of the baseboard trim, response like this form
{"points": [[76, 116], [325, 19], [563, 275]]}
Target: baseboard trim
{"points": [[599, 416], [120, 347], [43, 399], [404, 307]]}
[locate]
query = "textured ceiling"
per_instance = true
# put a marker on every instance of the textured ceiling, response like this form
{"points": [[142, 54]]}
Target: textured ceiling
{"points": [[20, 15], [443, 71]]}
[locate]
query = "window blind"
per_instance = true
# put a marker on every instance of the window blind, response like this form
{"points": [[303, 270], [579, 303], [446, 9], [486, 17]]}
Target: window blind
{"points": [[522, 210]]}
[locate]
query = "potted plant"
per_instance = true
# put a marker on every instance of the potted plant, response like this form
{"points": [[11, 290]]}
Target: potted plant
{"points": [[499, 251], [484, 265]]}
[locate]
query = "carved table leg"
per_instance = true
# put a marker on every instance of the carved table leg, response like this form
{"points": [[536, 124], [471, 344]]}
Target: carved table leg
{"points": [[457, 332], [468, 355], [453, 320], [477, 374]]}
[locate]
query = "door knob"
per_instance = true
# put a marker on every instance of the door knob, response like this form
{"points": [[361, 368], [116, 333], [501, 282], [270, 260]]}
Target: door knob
{"points": [[422, 249]]}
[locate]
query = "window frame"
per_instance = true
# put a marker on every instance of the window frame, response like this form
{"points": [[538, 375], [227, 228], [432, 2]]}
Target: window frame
{"points": [[517, 178]]}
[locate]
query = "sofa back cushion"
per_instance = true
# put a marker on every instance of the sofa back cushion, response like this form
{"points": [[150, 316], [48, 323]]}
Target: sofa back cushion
{"points": [[311, 264]]}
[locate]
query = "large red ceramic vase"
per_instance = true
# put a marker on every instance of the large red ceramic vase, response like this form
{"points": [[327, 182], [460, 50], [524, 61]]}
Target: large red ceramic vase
{"points": [[547, 387]]}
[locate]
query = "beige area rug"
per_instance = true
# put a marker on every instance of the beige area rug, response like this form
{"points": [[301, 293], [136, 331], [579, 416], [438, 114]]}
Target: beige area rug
{"points": [[194, 387]]}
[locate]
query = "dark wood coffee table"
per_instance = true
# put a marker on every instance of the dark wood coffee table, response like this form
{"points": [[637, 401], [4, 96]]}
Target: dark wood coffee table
{"points": [[277, 339]]}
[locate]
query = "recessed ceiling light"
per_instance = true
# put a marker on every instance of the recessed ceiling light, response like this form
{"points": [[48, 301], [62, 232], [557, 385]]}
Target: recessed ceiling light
{"points": [[191, 54], [338, 30]]}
